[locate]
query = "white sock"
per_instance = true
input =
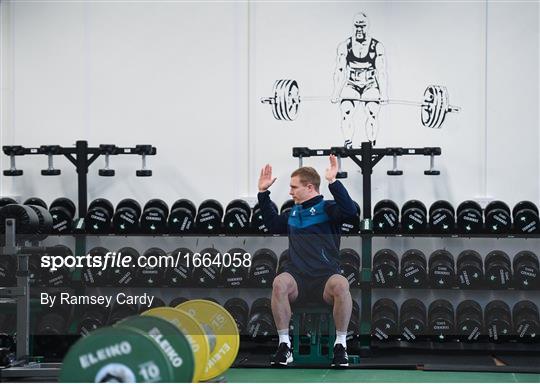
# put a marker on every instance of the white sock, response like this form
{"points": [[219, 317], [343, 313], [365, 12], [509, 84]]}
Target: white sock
{"points": [[284, 336], [341, 338]]}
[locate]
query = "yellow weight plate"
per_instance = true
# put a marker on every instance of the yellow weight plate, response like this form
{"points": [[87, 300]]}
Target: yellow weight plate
{"points": [[227, 341], [194, 333]]}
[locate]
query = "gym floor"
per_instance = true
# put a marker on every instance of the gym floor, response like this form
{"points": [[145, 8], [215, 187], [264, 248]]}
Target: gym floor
{"points": [[296, 375]]}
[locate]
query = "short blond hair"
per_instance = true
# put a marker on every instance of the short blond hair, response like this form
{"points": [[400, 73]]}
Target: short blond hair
{"points": [[308, 175]]}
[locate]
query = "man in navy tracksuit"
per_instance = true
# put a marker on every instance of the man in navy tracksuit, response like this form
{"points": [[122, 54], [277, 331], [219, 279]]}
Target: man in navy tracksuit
{"points": [[313, 226]]}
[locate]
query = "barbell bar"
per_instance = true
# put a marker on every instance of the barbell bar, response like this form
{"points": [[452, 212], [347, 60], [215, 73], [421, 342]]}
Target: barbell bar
{"points": [[286, 102]]}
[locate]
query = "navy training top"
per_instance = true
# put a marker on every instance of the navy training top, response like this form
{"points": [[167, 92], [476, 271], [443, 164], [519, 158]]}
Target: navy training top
{"points": [[313, 227]]}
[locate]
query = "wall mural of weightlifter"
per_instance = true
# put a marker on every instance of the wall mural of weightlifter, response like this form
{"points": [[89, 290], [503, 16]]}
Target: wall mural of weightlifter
{"points": [[360, 82]]}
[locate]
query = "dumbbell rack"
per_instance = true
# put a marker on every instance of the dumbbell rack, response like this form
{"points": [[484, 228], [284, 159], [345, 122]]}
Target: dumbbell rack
{"points": [[23, 366], [369, 157], [82, 156]]}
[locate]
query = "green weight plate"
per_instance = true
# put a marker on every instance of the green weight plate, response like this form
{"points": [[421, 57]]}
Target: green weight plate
{"points": [[172, 342], [116, 355]]}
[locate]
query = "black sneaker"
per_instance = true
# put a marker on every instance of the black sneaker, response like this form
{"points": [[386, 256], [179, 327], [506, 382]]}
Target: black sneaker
{"points": [[283, 355], [341, 359]]}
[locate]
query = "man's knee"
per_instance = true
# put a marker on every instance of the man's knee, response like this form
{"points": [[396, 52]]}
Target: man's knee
{"points": [[339, 287], [283, 285]]}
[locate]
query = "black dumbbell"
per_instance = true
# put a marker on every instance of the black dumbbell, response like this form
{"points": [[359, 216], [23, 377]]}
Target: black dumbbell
{"points": [[284, 261], [92, 317], [236, 219], [44, 216], [498, 218], [263, 268], [525, 214], [442, 217], [26, 220], [154, 216], [384, 319], [182, 216], [53, 321], [413, 269], [412, 319], [233, 273], [413, 217], [351, 225], [181, 274], [7, 200], [469, 217], [152, 274], [498, 320], [286, 207], [386, 217], [470, 272], [120, 276], [94, 276], [122, 311], [126, 216], [441, 269], [257, 222], [261, 321], [99, 216], [212, 299], [349, 264], [61, 277], [177, 301], [526, 321], [209, 217], [239, 310], [385, 272], [469, 322], [8, 267], [206, 276], [62, 211], [498, 270], [33, 201], [526, 268], [441, 324]]}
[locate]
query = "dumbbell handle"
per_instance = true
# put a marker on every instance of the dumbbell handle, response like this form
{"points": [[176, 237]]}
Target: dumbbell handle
{"points": [[50, 161], [12, 162]]}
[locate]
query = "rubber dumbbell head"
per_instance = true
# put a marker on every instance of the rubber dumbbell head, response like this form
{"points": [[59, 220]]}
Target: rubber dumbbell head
{"points": [[498, 320], [412, 319], [384, 319], [526, 270], [263, 268], [154, 216], [257, 221], [413, 269], [62, 211], [236, 219], [526, 221], [209, 217], [442, 217], [498, 270], [126, 216], [182, 216], [498, 218], [181, 274], [351, 225], [234, 275], [386, 217], [470, 272], [470, 217], [99, 216], [526, 321], [413, 217], [441, 269], [469, 322], [441, 322], [385, 272]]}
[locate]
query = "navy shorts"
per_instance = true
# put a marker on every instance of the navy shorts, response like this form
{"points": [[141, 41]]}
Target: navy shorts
{"points": [[310, 289]]}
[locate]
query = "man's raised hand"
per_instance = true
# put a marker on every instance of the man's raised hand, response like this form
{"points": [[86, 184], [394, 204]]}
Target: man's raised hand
{"points": [[266, 179], [332, 170]]}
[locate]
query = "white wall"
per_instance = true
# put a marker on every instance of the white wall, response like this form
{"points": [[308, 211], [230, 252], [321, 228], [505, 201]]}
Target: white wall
{"points": [[187, 78]]}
